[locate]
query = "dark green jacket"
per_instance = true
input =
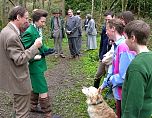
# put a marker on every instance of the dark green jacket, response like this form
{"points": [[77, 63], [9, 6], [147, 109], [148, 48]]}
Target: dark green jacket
{"points": [[137, 88], [61, 25], [28, 39]]}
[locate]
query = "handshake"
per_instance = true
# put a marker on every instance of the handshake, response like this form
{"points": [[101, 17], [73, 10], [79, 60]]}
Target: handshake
{"points": [[38, 42], [42, 55]]}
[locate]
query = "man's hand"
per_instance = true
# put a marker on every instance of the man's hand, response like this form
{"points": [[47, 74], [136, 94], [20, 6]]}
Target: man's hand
{"points": [[100, 90], [38, 42]]}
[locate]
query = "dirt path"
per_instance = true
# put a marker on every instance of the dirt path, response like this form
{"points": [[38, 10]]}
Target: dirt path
{"points": [[58, 79]]}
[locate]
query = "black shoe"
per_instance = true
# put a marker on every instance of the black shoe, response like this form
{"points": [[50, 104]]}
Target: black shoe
{"points": [[97, 83], [72, 57]]}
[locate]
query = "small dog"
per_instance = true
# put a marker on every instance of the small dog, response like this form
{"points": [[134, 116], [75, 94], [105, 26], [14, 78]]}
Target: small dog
{"points": [[97, 107]]}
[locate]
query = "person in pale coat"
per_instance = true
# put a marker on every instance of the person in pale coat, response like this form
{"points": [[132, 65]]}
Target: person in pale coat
{"points": [[91, 33], [14, 59]]}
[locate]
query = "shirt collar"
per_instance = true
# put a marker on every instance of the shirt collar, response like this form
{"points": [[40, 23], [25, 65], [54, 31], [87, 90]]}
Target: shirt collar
{"points": [[122, 39], [16, 28], [38, 29]]}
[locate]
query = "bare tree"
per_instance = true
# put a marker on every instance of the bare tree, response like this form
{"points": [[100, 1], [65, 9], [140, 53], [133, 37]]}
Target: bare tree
{"points": [[43, 3], [124, 4], [5, 9], [49, 5], [34, 4], [139, 5], [92, 7], [12, 2], [38, 3], [25, 1]]}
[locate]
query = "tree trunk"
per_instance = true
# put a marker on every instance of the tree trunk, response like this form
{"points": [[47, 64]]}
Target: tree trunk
{"points": [[34, 4], [38, 4], [144, 10], [139, 8], [92, 8], [43, 3], [5, 7], [101, 10], [25, 1], [124, 4], [101, 7], [12, 2], [114, 4], [49, 5], [63, 7]]}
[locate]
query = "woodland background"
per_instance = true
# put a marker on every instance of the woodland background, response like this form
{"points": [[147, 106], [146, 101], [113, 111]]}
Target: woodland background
{"points": [[141, 8], [65, 87]]}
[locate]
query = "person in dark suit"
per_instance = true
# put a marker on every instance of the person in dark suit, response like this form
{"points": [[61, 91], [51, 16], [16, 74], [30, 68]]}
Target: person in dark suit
{"points": [[14, 59], [105, 46], [71, 28]]}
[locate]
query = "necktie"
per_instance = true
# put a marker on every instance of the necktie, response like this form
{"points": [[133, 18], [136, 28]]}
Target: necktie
{"points": [[57, 20]]}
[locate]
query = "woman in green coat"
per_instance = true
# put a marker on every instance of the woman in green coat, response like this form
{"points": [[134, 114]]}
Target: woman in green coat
{"points": [[37, 65]]}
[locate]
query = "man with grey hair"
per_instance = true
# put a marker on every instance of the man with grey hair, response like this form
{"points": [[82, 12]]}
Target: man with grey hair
{"points": [[71, 28], [14, 59]]}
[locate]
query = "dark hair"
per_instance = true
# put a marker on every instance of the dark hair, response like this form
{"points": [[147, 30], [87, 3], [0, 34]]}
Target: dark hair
{"points": [[17, 10], [109, 13], [117, 23], [38, 13], [127, 16], [139, 29]]}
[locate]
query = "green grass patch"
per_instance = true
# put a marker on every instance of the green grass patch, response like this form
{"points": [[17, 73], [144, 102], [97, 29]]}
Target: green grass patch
{"points": [[71, 102]]}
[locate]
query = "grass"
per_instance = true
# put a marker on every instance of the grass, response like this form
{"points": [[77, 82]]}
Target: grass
{"points": [[70, 102]]}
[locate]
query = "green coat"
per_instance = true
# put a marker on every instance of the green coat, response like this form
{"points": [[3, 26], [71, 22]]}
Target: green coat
{"points": [[28, 39], [61, 26], [36, 67]]}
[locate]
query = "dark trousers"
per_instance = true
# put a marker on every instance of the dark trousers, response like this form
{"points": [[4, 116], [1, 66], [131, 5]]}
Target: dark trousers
{"points": [[72, 41], [118, 108], [79, 43], [100, 72]]}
